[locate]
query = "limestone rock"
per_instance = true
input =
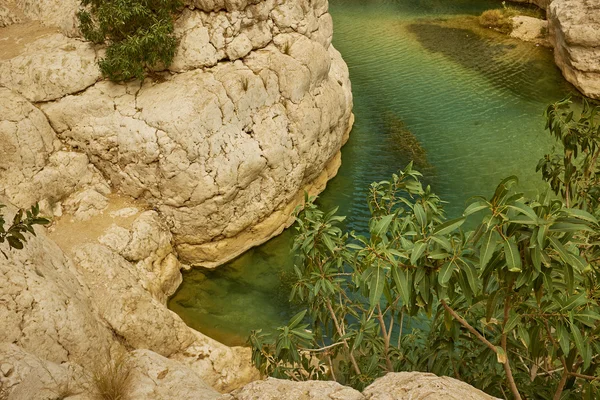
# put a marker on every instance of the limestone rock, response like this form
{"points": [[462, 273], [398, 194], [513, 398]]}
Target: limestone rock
{"points": [[421, 386], [224, 153], [574, 27], [50, 68], [279, 389], [7, 17], [61, 14], [44, 305], [32, 170], [530, 29], [157, 378], [224, 368], [85, 204], [148, 245], [24, 376], [131, 311]]}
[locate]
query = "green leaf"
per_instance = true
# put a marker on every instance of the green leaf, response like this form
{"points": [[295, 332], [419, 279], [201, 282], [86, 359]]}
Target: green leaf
{"points": [[402, 279], [488, 246], [581, 214], [475, 207], [446, 273], [511, 253], [563, 338], [449, 226], [501, 355], [376, 286], [513, 320], [382, 225], [420, 215], [417, 252], [524, 209], [564, 254], [296, 319], [578, 339]]}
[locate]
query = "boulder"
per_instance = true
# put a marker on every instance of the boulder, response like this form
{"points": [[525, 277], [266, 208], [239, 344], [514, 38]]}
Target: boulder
{"points": [[530, 29], [422, 386], [574, 27], [224, 153], [280, 389]]}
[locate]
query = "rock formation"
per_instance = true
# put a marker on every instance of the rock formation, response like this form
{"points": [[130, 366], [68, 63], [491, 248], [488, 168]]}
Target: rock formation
{"points": [[252, 112], [543, 4], [574, 27]]}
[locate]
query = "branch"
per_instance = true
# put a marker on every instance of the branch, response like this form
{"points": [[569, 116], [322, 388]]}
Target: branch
{"points": [[468, 326]]}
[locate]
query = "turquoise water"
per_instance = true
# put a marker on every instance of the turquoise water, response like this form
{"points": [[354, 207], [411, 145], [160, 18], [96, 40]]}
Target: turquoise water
{"points": [[473, 101]]}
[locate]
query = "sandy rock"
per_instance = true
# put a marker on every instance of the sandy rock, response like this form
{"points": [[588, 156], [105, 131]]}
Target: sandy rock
{"points": [[194, 49], [530, 29], [219, 152], [24, 376], [58, 13], [421, 386], [7, 17], [51, 67], [148, 245], [131, 311], [222, 367], [279, 389], [45, 307], [156, 378], [574, 27], [85, 204]]}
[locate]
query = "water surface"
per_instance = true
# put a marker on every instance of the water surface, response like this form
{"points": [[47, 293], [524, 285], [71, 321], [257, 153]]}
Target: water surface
{"points": [[467, 102]]}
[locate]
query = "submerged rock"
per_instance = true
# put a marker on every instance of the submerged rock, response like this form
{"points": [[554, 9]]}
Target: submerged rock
{"points": [[574, 27]]}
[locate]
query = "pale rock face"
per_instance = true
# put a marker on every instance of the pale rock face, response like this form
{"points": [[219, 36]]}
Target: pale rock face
{"points": [[44, 305], [574, 27], [131, 311], [32, 170], [24, 376], [279, 389], [157, 378], [51, 67], [148, 245], [61, 14], [85, 204], [7, 17], [222, 150], [422, 386], [529, 29]]}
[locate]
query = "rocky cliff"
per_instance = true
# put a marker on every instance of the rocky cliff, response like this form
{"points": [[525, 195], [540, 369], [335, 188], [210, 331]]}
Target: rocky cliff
{"points": [[252, 112], [574, 27]]}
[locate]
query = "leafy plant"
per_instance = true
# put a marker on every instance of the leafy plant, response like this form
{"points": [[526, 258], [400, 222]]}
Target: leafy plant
{"points": [[499, 20], [139, 34], [15, 233], [513, 304]]}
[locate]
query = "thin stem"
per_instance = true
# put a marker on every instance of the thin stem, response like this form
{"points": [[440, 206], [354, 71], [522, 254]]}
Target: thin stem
{"points": [[468, 327], [340, 332], [503, 340], [386, 340], [401, 327]]}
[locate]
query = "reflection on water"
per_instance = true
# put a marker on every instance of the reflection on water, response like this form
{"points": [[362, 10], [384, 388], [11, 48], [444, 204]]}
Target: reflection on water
{"points": [[472, 101]]}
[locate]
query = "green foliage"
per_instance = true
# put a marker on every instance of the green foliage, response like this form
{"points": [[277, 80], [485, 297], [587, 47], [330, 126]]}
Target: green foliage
{"points": [[499, 20], [139, 34], [15, 233], [513, 304]]}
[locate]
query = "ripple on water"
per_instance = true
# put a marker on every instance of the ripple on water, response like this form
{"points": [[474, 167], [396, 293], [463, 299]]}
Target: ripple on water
{"points": [[473, 102]]}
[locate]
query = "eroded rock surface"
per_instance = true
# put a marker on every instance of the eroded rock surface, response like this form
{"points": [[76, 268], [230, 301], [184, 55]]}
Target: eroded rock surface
{"points": [[224, 152], [279, 389], [530, 29], [421, 386], [575, 33]]}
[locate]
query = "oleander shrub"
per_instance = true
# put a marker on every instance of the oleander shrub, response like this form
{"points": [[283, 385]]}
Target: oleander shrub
{"points": [[138, 33]]}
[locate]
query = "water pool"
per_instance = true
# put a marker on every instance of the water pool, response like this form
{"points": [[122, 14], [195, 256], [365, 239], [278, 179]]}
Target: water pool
{"points": [[473, 100]]}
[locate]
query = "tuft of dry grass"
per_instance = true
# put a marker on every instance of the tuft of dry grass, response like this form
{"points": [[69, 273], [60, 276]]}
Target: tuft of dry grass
{"points": [[499, 20], [112, 378]]}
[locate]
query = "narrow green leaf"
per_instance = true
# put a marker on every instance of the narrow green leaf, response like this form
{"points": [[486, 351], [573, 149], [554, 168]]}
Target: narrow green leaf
{"points": [[446, 273], [417, 252], [376, 286], [488, 246], [296, 319], [420, 215], [382, 225], [511, 253], [448, 226], [402, 279], [475, 207]]}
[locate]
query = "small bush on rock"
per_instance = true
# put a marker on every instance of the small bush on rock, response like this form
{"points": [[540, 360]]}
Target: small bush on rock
{"points": [[499, 20], [139, 34]]}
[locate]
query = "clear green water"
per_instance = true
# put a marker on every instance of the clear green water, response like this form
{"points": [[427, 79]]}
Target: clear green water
{"points": [[473, 102]]}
